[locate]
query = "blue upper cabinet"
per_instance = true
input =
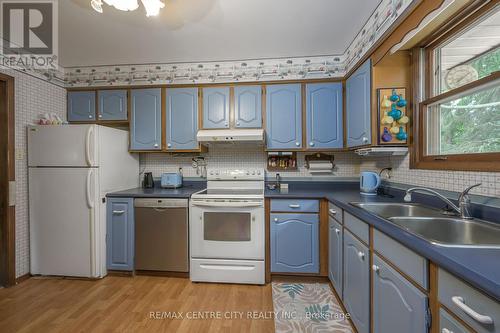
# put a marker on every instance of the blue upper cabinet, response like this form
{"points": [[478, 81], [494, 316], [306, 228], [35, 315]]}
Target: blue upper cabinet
{"points": [[182, 118], [284, 116], [112, 105], [120, 234], [145, 119], [358, 106], [216, 107], [81, 106], [324, 116], [295, 243], [248, 106]]}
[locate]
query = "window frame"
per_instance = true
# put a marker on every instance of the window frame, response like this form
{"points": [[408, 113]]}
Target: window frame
{"points": [[423, 59]]}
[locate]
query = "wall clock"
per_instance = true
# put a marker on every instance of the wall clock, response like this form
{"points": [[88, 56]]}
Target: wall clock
{"points": [[461, 75]]}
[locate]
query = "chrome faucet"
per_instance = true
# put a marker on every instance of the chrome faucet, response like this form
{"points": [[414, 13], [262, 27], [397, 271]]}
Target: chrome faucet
{"points": [[278, 180], [463, 208]]}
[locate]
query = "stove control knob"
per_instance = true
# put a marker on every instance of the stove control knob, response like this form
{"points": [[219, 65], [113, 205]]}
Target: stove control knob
{"points": [[248, 173], [258, 172]]}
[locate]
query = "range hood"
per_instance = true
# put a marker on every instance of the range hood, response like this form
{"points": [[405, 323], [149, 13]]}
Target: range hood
{"points": [[382, 151], [231, 135]]}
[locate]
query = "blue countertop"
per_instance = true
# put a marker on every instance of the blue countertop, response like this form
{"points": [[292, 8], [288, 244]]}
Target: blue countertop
{"points": [[479, 267], [186, 191]]}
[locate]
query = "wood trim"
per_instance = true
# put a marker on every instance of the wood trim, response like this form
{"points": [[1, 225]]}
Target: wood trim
{"points": [[344, 310], [7, 162], [279, 277], [23, 278], [371, 253], [267, 208], [323, 237], [164, 119], [433, 297], [454, 316], [162, 273], [304, 116]]}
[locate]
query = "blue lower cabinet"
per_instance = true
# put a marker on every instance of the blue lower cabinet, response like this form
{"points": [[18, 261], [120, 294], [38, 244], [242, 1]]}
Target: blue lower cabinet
{"points": [[398, 306], [294, 243], [120, 234], [335, 254], [357, 282]]}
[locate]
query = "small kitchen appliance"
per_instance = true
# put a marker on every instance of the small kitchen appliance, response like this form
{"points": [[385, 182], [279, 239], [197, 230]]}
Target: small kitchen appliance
{"points": [[171, 180], [369, 183], [148, 180]]}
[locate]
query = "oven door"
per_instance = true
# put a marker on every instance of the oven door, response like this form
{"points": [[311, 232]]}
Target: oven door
{"points": [[227, 229]]}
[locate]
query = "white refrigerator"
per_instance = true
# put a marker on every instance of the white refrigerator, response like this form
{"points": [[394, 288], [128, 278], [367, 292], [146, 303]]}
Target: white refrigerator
{"points": [[71, 169]]}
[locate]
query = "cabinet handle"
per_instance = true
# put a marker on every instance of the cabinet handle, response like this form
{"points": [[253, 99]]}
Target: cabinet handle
{"points": [[361, 255], [459, 301], [333, 211], [294, 206], [337, 231], [297, 144], [226, 124], [90, 116], [100, 116], [169, 145], [365, 139], [311, 144], [118, 212], [237, 123], [156, 145], [375, 268], [445, 330], [275, 219]]}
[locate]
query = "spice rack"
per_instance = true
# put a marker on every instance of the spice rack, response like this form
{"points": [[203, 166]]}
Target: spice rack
{"points": [[281, 161]]}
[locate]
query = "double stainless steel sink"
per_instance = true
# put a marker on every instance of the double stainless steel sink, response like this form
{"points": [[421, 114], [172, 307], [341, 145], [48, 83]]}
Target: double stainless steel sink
{"points": [[435, 227]]}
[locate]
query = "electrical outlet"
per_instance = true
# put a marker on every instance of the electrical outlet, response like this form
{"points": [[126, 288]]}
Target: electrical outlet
{"points": [[20, 153]]}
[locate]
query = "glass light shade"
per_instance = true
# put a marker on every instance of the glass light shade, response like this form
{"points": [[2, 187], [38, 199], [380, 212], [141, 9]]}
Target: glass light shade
{"points": [[96, 5], [152, 7], [125, 5]]}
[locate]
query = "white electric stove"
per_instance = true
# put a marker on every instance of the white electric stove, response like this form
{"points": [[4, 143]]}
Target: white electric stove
{"points": [[227, 234]]}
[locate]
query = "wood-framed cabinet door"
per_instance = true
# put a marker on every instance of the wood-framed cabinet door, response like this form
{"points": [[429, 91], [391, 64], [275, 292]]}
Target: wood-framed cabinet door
{"points": [[398, 306], [356, 279], [216, 108], [120, 234], [112, 105], [81, 106], [145, 119], [324, 120], [295, 243], [335, 251], [248, 106], [182, 118], [358, 106], [284, 116]]}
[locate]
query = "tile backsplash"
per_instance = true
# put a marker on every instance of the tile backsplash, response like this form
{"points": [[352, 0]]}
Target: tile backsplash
{"points": [[33, 97]]}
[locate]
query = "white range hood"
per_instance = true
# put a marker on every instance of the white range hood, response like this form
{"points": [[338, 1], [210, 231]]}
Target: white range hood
{"points": [[231, 135], [382, 151]]}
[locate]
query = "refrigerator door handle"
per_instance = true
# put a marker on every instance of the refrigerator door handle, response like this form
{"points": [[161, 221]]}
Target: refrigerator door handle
{"points": [[90, 202], [88, 157]]}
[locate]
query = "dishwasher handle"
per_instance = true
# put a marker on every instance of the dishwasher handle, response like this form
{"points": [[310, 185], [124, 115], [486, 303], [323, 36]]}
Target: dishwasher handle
{"points": [[161, 203]]}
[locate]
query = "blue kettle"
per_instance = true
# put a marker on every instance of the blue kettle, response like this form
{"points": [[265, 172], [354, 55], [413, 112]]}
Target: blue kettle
{"points": [[369, 183]]}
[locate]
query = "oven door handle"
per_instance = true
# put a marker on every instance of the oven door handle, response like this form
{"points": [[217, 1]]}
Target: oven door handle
{"points": [[228, 204]]}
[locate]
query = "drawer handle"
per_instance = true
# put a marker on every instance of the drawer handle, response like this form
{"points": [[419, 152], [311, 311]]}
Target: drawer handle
{"points": [[445, 330], [333, 211], [376, 268], [337, 231], [294, 206], [459, 301], [118, 212], [361, 255]]}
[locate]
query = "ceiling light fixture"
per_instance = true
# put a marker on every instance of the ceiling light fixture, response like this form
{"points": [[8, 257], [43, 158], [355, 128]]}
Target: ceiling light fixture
{"points": [[152, 7]]}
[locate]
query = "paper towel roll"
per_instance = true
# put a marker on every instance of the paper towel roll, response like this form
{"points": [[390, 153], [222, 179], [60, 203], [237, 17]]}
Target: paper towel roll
{"points": [[320, 166]]}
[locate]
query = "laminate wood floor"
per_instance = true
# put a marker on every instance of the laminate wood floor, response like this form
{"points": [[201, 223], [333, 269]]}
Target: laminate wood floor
{"points": [[126, 304]]}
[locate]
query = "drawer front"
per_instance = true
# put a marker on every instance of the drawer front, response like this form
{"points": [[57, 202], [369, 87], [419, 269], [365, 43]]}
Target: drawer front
{"points": [[467, 302], [448, 324], [357, 227], [403, 258], [289, 205], [335, 212]]}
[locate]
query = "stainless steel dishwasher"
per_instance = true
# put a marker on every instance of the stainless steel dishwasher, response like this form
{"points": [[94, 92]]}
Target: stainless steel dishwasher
{"points": [[161, 235]]}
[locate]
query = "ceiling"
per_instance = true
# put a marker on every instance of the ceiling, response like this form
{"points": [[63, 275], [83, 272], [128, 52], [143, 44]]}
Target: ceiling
{"points": [[208, 30]]}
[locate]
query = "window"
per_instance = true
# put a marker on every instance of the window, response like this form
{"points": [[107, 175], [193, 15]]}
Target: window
{"points": [[458, 126]]}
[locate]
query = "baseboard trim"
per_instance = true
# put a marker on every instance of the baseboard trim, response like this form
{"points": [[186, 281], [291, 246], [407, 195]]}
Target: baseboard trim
{"points": [[23, 278]]}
